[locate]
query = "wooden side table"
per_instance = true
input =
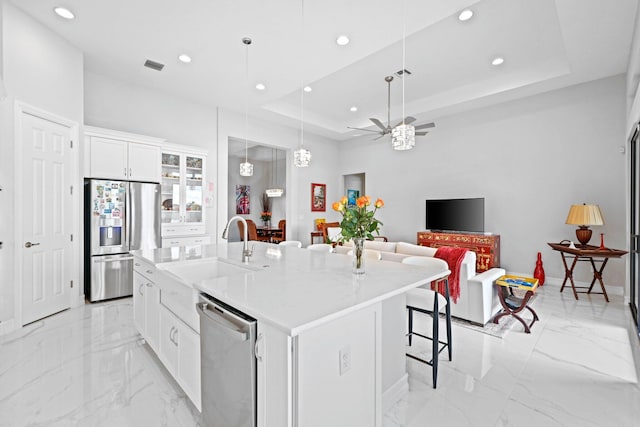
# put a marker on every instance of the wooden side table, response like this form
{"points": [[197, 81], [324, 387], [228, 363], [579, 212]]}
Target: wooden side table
{"points": [[588, 253], [512, 305]]}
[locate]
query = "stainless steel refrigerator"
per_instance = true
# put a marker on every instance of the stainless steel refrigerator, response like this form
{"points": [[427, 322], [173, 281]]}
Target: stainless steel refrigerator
{"points": [[120, 216]]}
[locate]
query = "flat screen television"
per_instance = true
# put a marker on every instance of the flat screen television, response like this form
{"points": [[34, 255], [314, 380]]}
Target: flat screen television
{"points": [[463, 215]]}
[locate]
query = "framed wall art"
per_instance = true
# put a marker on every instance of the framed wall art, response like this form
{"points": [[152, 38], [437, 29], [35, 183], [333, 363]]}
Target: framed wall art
{"points": [[243, 201], [352, 196], [318, 197]]}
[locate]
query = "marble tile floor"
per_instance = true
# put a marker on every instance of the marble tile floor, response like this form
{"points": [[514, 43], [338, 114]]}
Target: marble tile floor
{"points": [[579, 367]]}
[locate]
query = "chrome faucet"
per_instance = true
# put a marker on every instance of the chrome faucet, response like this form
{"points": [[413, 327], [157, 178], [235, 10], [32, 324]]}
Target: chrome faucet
{"points": [[246, 253]]}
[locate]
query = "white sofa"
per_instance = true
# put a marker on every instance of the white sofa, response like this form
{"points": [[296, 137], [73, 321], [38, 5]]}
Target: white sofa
{"points": [[478, 300]]}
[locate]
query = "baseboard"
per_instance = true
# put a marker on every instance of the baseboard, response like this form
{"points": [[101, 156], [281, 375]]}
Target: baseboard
{"points": [[557, 282], [7, 326], [394, 393]]}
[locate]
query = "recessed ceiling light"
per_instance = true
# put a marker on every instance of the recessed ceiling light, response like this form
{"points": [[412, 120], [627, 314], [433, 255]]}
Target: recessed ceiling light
{"points": [[307, 89], [184, 58], [354, 109], [260, 86], [497, 61], [465, 15], [63, 12], [342, 40]]}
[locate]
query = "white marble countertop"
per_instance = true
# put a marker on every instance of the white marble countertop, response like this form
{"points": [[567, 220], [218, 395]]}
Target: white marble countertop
{"points": [[293, 289]]}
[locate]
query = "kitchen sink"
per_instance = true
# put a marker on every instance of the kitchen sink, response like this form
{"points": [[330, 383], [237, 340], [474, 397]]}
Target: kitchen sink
{"points": [[194, 271]]}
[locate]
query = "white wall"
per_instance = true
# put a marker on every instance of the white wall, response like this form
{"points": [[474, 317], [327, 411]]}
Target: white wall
{"points": [[298, 180], [259, 182], [41, 69], [113, 104], [530, 158]]}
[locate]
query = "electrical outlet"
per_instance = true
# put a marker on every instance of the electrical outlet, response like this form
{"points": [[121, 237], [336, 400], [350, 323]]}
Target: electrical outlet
{"points": [[345, 360]]}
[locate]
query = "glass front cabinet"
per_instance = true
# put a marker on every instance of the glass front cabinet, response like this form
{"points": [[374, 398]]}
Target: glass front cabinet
{"points": [[182, 193]]}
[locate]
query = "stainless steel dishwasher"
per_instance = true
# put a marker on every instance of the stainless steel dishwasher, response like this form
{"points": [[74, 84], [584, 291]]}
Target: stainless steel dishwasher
{"points": [[228, 362]]}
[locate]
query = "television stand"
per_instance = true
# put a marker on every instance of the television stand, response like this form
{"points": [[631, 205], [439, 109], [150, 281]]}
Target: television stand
{"points": [[486, 246]]}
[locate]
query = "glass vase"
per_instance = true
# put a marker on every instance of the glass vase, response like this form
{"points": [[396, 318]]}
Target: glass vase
{"points": [[358, 255]]}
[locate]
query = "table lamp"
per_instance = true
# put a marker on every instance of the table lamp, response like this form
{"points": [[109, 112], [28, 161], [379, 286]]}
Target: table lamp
{"points": [[583, 216]]}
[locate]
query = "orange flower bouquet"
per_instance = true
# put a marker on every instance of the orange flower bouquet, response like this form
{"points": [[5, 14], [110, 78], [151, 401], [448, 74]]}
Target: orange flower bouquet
{"points": [[359, 221]]}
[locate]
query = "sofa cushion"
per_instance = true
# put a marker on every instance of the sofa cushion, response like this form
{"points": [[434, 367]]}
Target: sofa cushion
{"points": [[380, 246], [416, 250], [392, 256]]}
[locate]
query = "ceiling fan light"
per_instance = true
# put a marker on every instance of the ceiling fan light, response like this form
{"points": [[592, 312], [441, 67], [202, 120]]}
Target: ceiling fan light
{"points": [[403, 137], [301, 158], [246, 169]]}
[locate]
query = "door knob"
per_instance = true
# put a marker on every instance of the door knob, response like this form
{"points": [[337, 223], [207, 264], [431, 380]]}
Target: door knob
{"points": [[29, 244]]}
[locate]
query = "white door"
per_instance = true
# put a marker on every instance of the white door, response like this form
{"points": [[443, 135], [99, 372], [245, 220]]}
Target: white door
{"points": [[46, 211]]}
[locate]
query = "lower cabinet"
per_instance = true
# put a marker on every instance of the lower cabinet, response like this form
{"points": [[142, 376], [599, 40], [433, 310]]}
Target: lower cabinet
{"points": [[146, 302], [180, 353], [175, 343]]}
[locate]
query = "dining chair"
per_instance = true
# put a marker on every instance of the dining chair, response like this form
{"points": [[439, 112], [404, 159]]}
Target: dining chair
{"points": [[295, 243], [252, 231], [280, 236], [320, 247], [427, 301], [324, 229]]}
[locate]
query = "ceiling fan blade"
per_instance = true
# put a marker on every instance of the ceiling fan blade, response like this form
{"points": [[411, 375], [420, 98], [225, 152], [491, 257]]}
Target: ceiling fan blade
{"points": [[426, 126], [379, 124], [368, 130], [407, 120], [421, 133], [375, 139]]}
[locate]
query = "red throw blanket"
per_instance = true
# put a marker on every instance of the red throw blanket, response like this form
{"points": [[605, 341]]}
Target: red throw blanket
{"points": [[453, 257]]}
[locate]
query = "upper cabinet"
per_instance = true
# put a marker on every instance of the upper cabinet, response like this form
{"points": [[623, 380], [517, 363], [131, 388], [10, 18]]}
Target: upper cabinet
{"points": [[183, 174], [123, 156]]}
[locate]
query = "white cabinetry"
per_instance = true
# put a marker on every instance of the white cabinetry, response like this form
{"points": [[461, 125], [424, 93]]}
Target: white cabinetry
{"points": [[180, 353], [183, 175], [146, 303], [119, 155], [334, 365], [156, 300]]}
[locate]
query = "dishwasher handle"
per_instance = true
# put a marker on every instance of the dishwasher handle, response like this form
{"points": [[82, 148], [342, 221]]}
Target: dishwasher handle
{"points": [[225, 324]]}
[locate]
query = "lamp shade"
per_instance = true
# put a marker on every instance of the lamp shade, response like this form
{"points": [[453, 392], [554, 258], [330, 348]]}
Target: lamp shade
{"points": [[585, 215]]}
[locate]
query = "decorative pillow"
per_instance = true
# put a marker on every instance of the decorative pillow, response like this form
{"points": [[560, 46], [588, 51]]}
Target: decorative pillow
{"points": [[417, 250]]}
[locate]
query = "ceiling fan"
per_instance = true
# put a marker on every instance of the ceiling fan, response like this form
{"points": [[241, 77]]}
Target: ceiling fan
{"points": [[386, 130]]}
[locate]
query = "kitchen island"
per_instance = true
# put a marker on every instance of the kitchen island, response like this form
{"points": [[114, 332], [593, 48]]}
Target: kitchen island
{"points": [[330, 344]]}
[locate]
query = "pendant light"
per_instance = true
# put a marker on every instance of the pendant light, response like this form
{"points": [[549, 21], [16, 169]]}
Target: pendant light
{"points": [[246, 168], [274, 191], [302, 157], [403, 136]]}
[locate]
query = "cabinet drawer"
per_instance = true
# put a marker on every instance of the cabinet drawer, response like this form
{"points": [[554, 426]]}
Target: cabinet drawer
{"points": [[182, 230], [186, 241], [144, 268], [181, 301]]}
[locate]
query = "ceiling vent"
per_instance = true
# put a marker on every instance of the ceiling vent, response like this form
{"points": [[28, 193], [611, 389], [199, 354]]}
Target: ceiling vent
{"points": [[153, 65], [402, 73]]}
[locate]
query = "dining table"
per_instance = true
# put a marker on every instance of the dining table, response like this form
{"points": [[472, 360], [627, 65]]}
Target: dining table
{"points": [[267, 233]]}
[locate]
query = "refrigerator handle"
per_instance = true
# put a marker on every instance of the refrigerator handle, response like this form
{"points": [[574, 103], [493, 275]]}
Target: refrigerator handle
{"points": [[127, 209]]}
